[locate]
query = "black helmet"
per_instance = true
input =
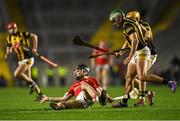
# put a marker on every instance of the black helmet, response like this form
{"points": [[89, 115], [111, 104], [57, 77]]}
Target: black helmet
{"points": [[83, 67]]}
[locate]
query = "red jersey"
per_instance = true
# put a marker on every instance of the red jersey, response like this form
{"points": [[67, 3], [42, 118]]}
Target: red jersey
{"points": [[101, 60], [76, 89]]}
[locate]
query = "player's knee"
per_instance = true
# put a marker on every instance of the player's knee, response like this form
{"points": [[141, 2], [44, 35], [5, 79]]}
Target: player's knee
{"points": [[83, 85], [142, 77], [16, 74], [129, 79]]}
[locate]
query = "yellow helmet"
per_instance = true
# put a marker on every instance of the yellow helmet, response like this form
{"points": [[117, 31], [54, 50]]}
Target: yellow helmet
{"points": [[134, 15]]}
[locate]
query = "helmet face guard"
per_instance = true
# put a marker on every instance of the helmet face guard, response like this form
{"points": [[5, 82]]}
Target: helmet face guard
{"points": [[81, 71], [117, 17]]}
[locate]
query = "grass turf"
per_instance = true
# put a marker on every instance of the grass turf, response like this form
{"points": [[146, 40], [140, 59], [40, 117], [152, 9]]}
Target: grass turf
{"points": [[15, 103]]}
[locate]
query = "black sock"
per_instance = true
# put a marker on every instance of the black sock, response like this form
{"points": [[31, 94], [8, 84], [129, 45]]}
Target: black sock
{"points": [[165, 81], [125, 100], [146, 92], [142, 93]]}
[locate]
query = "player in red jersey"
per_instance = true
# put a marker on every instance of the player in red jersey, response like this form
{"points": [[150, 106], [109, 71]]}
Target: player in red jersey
{"points": [[101, 65], [86, 91]]}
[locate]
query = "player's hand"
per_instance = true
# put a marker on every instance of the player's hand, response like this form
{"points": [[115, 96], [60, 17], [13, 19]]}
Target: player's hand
{"points": [[127, 60], [43, 99], [34, 50], [117, 54], [5, 56]]}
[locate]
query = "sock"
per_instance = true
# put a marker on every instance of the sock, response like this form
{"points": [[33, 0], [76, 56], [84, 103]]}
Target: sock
{"points": [[125, 100], [95, 98], [31, 84], [37, 89], [147, 92], [142, 95]]}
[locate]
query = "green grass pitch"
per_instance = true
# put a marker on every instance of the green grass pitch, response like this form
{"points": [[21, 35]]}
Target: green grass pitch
{"points": [[15, 103]]}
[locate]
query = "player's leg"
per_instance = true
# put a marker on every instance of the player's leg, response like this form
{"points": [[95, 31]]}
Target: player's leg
{"points": [[95, 95], [33, 86], [148, 93], [131, 73], [71, 104], [19, 73], [91, 91], [98, 74], [134, 94], [22, 72], [153, 78], [83, 100], [105, 76], [142, 67]]}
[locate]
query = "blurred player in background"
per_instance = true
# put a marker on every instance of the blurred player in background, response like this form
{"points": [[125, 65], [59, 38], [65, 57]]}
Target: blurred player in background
{"points": [[86, 91], [101, 65], [20, 43], [139, 56]]}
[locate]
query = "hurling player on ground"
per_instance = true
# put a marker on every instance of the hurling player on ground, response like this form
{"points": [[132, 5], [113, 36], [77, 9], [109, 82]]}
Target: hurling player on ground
{"points": [[85, 89], [139, 56], [20, 43]]}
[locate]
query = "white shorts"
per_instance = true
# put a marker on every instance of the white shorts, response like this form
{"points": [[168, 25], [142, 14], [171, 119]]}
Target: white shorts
{"points": [[152, 61], [143, 54], [29, 61], [102, 67], [81, 97]]}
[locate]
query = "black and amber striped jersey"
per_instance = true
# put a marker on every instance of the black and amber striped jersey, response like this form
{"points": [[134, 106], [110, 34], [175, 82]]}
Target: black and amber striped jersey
{"points": [[130, 26], [20, 44], [149, 40]]}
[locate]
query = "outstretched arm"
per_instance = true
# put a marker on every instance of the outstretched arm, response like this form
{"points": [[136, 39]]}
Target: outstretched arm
{"points": [[66, 97]]}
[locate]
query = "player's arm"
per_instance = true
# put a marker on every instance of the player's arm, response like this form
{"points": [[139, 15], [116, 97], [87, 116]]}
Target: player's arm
{"points": [[146, 33], [125, 45], [131, 35], [34, 39], [8, 51], [134, 43], [66, 97], [9, 48]]}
